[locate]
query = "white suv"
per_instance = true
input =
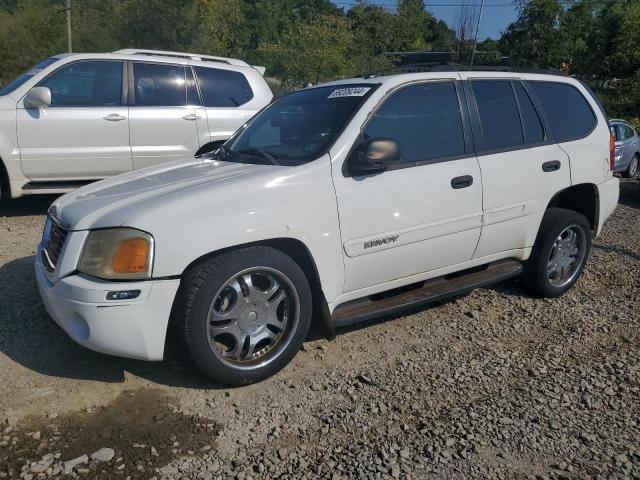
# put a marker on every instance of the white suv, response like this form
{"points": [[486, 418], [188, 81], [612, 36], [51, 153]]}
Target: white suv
{"points": [[335, 204], [77, 118]]}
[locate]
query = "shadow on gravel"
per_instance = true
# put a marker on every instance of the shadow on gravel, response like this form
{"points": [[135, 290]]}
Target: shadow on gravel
{"points": [[29, 337], [25, 206], [630, 193]]}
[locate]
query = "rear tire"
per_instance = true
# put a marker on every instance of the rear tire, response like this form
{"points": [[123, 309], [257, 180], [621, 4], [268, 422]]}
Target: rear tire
{"points": [[243, 315], [559, 254], [632, 169]]}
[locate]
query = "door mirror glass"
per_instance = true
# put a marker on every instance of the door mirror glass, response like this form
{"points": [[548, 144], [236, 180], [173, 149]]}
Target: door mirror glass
{"points": [[374, 155], [38, 97]]}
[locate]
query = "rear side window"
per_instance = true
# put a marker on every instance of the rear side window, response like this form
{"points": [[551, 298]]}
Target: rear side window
{"points": [[568, 111], [533, 129], [86, 84], [424, 119], [499, 117], [159, 85], [223, 88]]}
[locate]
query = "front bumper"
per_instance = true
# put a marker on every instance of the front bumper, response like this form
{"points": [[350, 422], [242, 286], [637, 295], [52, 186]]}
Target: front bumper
{"points": [[127, 328]]}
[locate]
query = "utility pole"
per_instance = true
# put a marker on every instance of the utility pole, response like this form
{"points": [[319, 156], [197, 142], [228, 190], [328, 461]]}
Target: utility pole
{"points": [[68, 9], [475, 40]]}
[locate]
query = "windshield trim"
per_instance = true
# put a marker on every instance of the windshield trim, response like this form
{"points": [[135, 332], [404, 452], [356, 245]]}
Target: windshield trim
{"points": [[329, 146], [28, 75]]}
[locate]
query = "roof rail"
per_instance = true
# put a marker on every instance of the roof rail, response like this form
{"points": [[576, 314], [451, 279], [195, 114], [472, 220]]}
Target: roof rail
{"points": [[189, 56]]}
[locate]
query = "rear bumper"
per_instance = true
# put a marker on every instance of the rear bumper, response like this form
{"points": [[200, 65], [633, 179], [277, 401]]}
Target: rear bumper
{"points": [[131, 328], [608, 193]]}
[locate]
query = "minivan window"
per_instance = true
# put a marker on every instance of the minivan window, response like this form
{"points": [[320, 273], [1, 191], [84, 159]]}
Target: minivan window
{"points": [[568, 111], [298, 127], [86, 84], [159, 85], [533, 129], [424, 119], [223, 88], [11, 86], [499, 117]]}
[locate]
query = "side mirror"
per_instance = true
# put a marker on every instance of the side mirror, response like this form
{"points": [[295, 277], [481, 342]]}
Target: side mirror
{"points": [[374, 155], [209, 147], [38, 97]]}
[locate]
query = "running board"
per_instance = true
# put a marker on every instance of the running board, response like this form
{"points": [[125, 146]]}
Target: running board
{"points": [[420, 294], [63, 185]]}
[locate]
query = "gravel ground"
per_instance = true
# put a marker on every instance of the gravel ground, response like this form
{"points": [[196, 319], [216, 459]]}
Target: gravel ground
{"points": [[492, 385]]}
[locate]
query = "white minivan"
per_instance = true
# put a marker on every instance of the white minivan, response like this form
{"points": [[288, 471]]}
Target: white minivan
{"points": [[76, 118]]}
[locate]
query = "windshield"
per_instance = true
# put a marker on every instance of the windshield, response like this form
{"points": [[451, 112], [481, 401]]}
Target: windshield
{"points": [[11, 86], [298, 127]]}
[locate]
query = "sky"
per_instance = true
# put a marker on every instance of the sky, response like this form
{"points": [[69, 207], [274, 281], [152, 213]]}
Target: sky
{"points": [[497, 14]]}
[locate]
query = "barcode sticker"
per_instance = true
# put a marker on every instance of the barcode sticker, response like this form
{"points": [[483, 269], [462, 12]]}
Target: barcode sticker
{"points": [[349, 92]]}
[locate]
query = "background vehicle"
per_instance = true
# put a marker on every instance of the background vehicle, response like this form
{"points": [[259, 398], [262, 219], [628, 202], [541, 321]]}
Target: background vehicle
{"points": [[77, 118], [627, 147], [343, 201]]}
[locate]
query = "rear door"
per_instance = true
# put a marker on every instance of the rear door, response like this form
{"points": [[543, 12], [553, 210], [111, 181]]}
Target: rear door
{"points": [[163, 114], [84, 133], [522, 166], [629, 143], [226, 97]]}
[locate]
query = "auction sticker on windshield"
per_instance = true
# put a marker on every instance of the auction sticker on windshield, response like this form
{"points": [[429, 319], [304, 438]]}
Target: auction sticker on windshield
{"points": [[349, 92]]}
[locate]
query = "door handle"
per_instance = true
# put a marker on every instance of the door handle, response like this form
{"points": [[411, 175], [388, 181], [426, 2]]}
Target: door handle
{"points": [[192, 117], [462, 182], [551, 166], [114, 117]]}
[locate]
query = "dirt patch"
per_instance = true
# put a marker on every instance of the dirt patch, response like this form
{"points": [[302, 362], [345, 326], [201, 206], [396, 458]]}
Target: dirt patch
{"points": [[143, 428]]}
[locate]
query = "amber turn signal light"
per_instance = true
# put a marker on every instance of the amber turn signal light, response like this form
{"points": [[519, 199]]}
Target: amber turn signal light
{"points": [[131, 256]]}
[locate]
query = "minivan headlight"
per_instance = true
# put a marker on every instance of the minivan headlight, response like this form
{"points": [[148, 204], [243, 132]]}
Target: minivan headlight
{"points": [[117, 254]]}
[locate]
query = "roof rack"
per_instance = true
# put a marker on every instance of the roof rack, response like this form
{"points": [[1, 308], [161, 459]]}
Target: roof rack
{"points": [[414, 62], [188, 56]]}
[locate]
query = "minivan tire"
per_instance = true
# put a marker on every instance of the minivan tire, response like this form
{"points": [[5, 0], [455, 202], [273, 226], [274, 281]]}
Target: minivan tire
{"points": [[238, 284], [544, 273], [632, 169]]}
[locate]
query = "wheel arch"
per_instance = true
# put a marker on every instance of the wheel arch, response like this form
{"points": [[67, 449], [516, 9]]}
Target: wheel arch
{"points": [[300, 253], [582, 198], [5, 185]]}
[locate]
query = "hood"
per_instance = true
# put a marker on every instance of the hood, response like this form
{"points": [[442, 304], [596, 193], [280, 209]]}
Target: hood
{"points": [[108, 203]]}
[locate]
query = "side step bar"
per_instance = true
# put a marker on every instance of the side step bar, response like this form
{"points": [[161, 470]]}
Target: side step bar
{"points": [[56, 185], [430, 291]]}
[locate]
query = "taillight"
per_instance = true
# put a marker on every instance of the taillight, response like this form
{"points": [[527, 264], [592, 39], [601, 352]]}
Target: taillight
{"points": [[612, 152]]}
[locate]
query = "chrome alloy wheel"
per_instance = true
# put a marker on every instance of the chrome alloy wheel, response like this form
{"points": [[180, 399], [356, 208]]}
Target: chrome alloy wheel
{"points": [[633, 166], [252, 317], [567, 256]]}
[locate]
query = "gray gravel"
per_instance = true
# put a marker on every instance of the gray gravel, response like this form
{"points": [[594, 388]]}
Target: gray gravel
{"points": [[492, 385]]}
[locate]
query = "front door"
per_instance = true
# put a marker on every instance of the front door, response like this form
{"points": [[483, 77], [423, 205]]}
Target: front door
{"points": [[423, 213], [163, 116], [84, 133]]}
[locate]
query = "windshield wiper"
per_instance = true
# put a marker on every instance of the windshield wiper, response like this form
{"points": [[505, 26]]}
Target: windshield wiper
{"points": [[261, 153]]}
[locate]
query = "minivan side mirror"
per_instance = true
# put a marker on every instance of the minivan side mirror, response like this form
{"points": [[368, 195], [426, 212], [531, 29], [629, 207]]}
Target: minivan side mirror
{"points": [[374, 155], [38, 97]]}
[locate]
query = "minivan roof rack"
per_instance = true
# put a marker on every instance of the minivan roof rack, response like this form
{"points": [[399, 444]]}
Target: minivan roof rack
{"points": [[414, 62], [188, 56]]}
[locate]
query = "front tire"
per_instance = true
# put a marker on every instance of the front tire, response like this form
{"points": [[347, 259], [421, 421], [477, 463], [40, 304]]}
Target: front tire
{"points": [[559, 253], [244, 314], [632, 169]]}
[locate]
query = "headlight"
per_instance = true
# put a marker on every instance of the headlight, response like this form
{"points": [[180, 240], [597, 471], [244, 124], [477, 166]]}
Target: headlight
{"points": [[117, 254]]}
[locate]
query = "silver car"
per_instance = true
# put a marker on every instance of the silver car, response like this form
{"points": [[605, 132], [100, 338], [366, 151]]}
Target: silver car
{"points": [[627, 147]]}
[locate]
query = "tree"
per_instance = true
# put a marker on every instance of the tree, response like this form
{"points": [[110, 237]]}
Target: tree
{"points": [[219, 29], [533, 39], [373, 30], [311, 51]]}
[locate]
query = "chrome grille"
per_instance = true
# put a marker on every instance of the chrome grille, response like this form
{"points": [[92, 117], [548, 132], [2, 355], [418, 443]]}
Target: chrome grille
{"points": [[55, 242]]}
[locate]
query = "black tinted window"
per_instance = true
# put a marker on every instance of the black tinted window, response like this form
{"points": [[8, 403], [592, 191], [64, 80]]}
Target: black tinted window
{"points": [[223, 88], [533, 130], [499, 116], [86, 84], [192, 90], [424, 119], [158, 85], [570, 115]]}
